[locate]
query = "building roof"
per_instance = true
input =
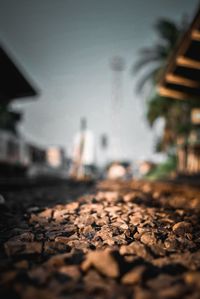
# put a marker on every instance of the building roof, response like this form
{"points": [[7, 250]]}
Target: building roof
{"points": [[13, 83], [181, 78]]}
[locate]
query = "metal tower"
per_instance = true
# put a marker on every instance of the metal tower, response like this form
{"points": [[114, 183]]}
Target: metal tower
{"points": [[117, 67]]}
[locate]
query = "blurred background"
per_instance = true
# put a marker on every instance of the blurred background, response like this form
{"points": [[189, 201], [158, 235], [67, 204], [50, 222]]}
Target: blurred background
{"points": [[78, 89]]}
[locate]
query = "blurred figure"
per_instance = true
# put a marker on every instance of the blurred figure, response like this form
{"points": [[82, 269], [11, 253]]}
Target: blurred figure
{"points": [[193, 160], [181, 148], [116, 171], [83, 155], [119, 170]]}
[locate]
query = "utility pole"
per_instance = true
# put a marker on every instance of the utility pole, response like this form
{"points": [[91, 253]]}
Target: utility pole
{"points": [[117, 66]]}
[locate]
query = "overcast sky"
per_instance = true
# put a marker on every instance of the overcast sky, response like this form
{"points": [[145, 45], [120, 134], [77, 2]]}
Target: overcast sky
{"points": [[65, 47]]}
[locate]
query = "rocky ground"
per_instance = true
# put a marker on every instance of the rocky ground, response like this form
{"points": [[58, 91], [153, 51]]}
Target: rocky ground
{"points": [[126, 240]]}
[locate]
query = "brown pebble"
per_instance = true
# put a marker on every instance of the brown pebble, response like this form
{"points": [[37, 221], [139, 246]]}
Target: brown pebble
{"points": [[134, 276], [182, 228], [103, 261]]}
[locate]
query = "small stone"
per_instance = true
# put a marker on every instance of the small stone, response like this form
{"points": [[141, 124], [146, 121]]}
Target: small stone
{"points": [[141, 293], [80, 245], [136, 248], [171, 243], [22, 264], [182, 228], [26, 236], [33, 248], [66, 240], [71, 271], [109, 196], [93, 281], [18, 247], [103, 261], [71, 207], [132, 196], [163, 281], [136, 219], [13, 247], [47, 213], [192, 278], [51, 247], [37, 220], [57, 261], [148, 238], [134, 276], [40, 274], [174, 291]]}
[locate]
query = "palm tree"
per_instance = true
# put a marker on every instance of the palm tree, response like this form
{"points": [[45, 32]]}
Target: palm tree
{"points": [[176, 115], [153, 61]]}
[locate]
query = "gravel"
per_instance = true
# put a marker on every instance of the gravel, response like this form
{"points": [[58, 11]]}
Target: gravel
{"points": [[126, 240]]}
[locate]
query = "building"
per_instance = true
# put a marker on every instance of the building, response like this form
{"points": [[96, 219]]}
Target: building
{"points": [[13, 85], [181, 81]]}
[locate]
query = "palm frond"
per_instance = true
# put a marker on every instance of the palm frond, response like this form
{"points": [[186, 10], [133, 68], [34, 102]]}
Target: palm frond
{"points": [[150, 76], [158, 50], [158, 54], [144, 62], [167, 31], [157, 107]]}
